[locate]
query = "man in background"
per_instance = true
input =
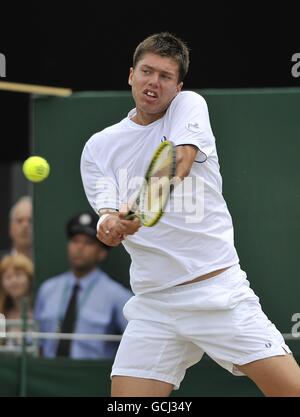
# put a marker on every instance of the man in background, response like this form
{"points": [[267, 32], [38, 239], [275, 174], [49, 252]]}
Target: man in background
{"points": [[20, 228], [82, 300]]}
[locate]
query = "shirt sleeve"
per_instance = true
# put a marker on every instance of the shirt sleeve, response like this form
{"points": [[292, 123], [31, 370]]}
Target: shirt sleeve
{"points": [[38, 305], [190, 124], [100, 188], [37, 314]]}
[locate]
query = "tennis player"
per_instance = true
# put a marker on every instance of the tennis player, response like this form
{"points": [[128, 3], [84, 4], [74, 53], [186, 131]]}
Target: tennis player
{"points": [[191, 295]]}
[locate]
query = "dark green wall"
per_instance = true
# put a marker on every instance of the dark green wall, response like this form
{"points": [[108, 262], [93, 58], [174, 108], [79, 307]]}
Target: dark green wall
{"points": [[65, 377], [60, 128], [257, 133], [72, 378]]}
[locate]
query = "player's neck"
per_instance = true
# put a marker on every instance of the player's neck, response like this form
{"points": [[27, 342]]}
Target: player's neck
{"points": [[145, 119]]}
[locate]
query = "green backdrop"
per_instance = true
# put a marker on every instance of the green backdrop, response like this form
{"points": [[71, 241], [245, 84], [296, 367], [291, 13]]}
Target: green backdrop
{"points": [[257, 134], [65, 378]]}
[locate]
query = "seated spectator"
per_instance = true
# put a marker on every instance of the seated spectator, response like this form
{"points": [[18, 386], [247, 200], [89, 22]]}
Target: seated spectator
{"points": [[20, 228], [16, 272], [82, 300]]}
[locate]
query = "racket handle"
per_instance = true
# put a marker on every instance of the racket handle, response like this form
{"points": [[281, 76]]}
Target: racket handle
{"points": [[130, 215]]}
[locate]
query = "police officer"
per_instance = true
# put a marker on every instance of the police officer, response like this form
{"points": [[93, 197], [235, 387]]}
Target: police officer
{"points": [[84, 299]]}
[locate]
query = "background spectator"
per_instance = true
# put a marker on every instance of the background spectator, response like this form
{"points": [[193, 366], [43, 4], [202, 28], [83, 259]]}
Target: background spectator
{"points": [[16, 273], [20, 227], [82, 300]]}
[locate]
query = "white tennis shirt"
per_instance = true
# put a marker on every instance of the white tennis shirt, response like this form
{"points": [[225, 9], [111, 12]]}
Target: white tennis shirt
{"points": [[195, 235]]}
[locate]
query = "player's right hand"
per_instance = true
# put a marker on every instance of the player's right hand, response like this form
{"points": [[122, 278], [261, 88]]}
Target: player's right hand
{"points": [[114, 228], [111, 231]]}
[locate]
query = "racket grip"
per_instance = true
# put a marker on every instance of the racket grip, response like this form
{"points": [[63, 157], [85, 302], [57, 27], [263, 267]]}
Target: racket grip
{"points": [[130, 215]]}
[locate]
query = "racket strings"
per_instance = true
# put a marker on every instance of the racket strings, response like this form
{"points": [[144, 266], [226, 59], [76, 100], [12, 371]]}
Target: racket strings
{"points": [[156, 189]]}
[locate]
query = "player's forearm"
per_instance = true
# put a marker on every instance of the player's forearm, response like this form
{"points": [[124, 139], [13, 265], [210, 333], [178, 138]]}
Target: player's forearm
{"points": [[185, 156]]}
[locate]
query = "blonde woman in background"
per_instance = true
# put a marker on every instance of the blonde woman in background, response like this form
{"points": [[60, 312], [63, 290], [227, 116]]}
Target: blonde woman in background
{"points": [[16, 273]]}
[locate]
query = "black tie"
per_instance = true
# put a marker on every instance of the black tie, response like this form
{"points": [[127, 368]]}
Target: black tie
{"points": [[68, 324]]}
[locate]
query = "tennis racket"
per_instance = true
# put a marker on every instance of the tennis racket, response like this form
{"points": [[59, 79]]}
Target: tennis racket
{"points": [[154, 194]]}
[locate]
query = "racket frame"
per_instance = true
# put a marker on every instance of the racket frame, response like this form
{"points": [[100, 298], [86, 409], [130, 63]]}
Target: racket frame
{"points": [[135, 213]]}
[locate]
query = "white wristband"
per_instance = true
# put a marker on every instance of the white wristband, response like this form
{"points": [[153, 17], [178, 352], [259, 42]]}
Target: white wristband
{"points": [[102, 218]]}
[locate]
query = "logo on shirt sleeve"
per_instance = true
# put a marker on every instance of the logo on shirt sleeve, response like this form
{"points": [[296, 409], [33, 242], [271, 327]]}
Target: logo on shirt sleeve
{"points": [[193, 127]]}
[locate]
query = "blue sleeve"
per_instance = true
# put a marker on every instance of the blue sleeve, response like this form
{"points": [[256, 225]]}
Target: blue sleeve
{"points": [[38, 305], [37, 311]]}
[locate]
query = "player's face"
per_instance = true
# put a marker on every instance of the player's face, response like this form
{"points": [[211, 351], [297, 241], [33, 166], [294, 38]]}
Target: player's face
{"points": [[154, 83], [15, 283], [20, 227], [84, 253]]}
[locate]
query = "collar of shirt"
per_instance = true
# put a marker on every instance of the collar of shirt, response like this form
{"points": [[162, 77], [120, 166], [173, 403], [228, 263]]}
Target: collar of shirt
{"points": [[85, 281]]}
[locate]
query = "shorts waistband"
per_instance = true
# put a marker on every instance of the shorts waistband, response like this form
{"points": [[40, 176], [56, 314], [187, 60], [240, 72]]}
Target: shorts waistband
{"points": [[231, 271]]}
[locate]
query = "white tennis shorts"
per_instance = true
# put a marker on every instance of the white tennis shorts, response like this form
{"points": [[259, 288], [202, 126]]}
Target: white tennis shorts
{"points": [[170, 330]]}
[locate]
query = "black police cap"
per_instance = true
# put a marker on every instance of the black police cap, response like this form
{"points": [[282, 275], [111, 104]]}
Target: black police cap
{"points": [[84, 223]]}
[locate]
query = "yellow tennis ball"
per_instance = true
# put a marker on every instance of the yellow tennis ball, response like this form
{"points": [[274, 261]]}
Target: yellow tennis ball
{"points": [[36, 168]]}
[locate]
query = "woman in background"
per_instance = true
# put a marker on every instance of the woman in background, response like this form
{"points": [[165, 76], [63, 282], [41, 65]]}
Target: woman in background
{"points": [[16, 272]]}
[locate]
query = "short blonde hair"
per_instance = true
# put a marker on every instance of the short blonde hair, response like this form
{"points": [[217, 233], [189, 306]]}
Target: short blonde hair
{"points": [[19, 262]]}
